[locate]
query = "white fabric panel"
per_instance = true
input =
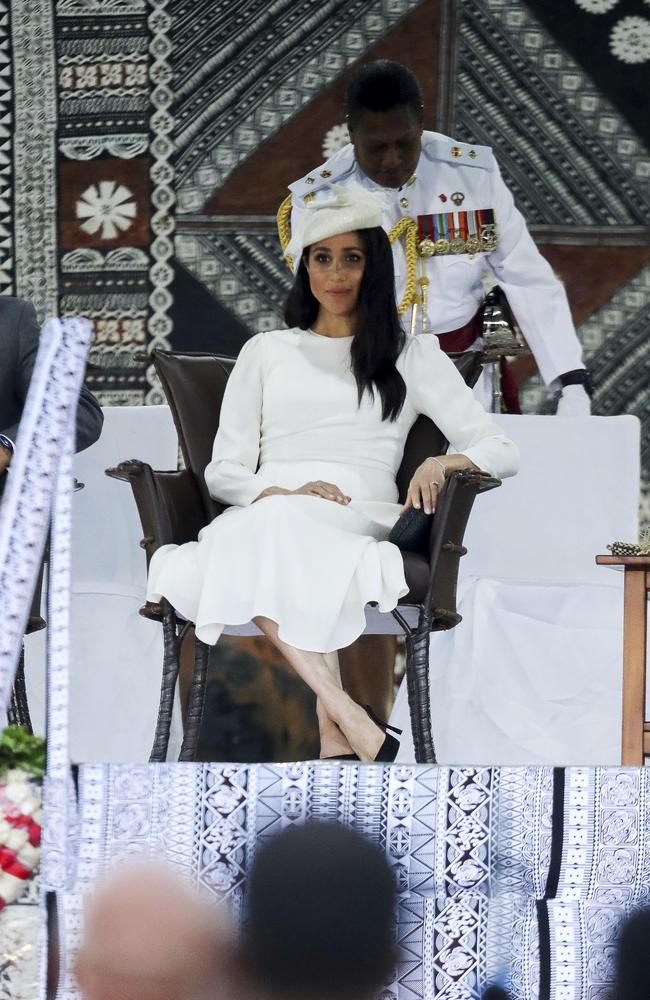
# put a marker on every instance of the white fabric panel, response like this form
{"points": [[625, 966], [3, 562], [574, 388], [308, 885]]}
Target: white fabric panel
{"points": [[116, 655], [533, 673], [577, 489]]}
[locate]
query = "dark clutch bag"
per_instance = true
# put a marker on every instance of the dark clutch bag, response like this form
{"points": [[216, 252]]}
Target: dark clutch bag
{"points": [[411, 531]]}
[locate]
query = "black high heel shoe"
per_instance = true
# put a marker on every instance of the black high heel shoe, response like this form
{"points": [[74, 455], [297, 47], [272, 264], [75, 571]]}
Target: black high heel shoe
{"points": [[390, 746], [342, 756]]}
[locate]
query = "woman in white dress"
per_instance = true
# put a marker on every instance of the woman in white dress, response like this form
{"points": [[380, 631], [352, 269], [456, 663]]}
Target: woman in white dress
{"points": [[311, 435]]}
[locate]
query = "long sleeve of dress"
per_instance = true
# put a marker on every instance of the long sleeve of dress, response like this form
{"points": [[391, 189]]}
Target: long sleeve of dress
{"points": [[231, 476], [436, 389]]}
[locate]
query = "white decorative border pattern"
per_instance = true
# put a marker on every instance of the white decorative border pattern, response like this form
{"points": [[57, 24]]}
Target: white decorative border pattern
{"points": [[35, 195], [162, 197]]}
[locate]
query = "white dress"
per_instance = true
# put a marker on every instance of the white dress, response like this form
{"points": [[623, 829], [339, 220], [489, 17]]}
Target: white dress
{"points": [[291, 415]]}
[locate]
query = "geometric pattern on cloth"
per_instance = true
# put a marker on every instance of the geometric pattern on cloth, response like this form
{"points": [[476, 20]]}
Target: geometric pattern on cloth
{"points": [[126, 811], [241, 269], [568, 156], [551, 860], [606, 836], [115, 185], [43, 448], [621, 366], [6, 166], [617, 55], [37, 500], [451, 949], [581, 949], [571, 161], [457, 838], [478, 830], [446, 830], [34, 154], [231, 99]]}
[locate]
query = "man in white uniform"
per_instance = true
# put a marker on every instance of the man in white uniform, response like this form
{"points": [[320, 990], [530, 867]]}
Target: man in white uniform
{"points": [[463, 218]]}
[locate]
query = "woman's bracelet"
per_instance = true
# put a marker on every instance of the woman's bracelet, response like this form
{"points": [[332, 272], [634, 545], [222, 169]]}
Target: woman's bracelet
{"points": [[444, 471]]}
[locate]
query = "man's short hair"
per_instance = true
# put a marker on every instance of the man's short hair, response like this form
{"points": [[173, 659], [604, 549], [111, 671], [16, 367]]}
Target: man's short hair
{"points": [[381, 86], [320, 911]]}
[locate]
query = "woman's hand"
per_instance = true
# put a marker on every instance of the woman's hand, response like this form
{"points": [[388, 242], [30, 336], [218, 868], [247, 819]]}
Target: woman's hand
{"points": [[425, 485], [328, 491]]}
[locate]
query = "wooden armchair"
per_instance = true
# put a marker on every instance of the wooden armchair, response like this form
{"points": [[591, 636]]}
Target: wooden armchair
{"points": [[174, 506]]}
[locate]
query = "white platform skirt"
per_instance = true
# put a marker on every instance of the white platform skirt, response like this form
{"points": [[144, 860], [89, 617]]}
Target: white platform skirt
{"points": [[310, 565]]}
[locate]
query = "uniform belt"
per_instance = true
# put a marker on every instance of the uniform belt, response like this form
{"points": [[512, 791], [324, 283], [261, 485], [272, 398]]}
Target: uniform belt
{"points": [[459, 340]]}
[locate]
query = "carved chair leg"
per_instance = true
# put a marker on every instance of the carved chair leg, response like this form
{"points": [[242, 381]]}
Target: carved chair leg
{"points": [[417, 683], [167, 687], [196, 701], [18, 712]]}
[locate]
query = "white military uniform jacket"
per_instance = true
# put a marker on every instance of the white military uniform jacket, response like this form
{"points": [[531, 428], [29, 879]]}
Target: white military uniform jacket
{"points": [[447, 168]]}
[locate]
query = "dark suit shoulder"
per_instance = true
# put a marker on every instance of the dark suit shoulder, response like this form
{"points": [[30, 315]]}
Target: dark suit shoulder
{"points": [[18, 325], [11, 305]]}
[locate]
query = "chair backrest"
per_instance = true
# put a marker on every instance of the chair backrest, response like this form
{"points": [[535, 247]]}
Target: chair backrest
{"points": [[194, 384]]}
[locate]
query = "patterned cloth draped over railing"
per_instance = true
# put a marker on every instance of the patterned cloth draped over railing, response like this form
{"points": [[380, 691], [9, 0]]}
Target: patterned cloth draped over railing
{"points": [[521, 875], [47, 424], [39, 488]]}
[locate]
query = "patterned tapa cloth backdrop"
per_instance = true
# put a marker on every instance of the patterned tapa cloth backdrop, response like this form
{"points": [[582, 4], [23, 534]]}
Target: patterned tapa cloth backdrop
{"points": [[517, 875], [149, 143]]}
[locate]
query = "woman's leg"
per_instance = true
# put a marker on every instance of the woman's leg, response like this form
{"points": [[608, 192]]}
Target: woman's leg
{"points": [[332, 741], [363, 736]]}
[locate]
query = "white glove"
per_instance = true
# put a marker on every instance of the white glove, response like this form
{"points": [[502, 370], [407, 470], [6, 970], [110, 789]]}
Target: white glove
{"points": [[574, 402]]}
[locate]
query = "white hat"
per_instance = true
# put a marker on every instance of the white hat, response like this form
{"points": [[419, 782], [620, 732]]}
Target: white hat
{"points": [[344, 209]]}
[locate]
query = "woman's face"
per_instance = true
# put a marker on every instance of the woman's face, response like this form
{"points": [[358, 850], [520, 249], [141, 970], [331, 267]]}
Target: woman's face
{"points": [[335, 266]]}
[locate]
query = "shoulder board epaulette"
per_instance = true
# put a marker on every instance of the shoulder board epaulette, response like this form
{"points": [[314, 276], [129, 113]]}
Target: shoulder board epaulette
{"points": [[336, 169], [441, 147]]}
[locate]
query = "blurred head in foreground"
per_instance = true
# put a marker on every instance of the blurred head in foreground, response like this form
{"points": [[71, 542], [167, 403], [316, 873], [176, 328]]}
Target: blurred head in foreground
{"points": [[147, 936], [320, 916], [633, 958]]}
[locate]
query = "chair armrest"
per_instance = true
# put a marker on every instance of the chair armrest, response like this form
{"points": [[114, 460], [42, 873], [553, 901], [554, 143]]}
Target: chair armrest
{"points": [[169, 504], [446, 541]]}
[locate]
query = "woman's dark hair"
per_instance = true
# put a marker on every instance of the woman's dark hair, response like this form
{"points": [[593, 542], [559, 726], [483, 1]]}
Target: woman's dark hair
{"points": [[379, 338], [382, 85]]}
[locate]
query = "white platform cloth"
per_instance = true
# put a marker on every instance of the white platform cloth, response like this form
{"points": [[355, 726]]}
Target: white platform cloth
{"points": [[116, 655], [533, 673]]}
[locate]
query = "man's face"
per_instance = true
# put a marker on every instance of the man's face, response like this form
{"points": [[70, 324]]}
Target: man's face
{"points": [[387, 144]]}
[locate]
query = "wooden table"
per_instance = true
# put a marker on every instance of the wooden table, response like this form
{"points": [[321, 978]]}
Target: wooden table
{"points": [[635, 736]]}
